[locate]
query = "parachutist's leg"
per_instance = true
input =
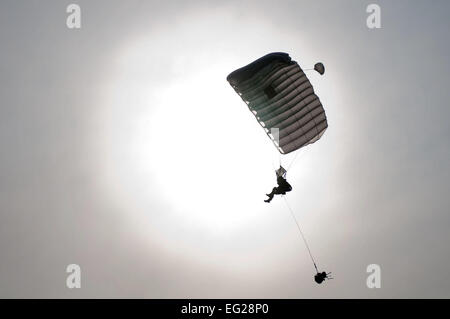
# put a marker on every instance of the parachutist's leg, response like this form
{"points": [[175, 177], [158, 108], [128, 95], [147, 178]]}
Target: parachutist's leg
{"points": [[277, 191], [270, 195], [272, 192]]}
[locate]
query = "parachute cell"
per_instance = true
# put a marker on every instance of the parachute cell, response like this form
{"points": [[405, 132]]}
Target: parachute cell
{"points": [[278, 93]]}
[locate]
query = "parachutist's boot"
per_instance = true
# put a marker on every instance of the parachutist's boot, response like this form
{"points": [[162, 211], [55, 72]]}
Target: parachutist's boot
{"points": [[270, 198]]}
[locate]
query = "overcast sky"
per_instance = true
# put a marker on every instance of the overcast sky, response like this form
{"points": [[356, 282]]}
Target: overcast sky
{"points": [[124, 150]]}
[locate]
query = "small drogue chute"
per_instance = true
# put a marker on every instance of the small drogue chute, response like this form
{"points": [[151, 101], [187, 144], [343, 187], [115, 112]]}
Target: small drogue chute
{"points": [[320, 68]]}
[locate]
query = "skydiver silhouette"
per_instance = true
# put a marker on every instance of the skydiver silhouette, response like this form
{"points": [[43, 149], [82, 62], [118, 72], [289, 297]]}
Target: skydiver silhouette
{"points": [[283, 185], [321, 276]]}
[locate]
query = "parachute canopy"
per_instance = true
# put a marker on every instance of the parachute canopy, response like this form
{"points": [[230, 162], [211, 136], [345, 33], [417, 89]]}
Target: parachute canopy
{"points": [[278, 93]]}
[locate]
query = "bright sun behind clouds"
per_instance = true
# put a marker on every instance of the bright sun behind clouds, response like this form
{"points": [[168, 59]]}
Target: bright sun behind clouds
{"points": [[176, 136], [191, 144]]}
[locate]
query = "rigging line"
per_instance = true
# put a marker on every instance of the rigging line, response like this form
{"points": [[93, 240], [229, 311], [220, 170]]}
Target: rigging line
{"points": [[293, 160], [301, 233]]}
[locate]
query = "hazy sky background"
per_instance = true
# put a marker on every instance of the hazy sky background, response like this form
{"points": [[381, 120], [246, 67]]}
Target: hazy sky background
{"points": [[124, 150]]}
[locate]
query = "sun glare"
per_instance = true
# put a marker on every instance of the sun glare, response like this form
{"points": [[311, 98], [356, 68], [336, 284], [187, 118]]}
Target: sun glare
{"points": [[181, 151], [190, 144]]}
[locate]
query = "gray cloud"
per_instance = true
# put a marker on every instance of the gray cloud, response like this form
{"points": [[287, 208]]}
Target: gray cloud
{"points": [[380, 173]]}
